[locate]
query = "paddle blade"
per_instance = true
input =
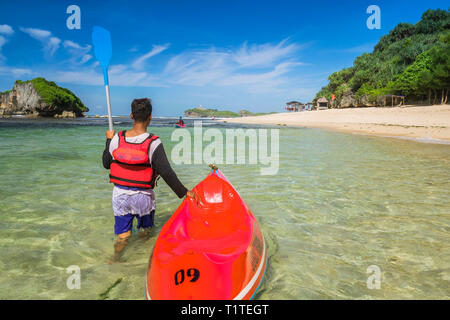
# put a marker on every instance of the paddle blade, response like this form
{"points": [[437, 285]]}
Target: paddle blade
{"points": [[101, 39]]}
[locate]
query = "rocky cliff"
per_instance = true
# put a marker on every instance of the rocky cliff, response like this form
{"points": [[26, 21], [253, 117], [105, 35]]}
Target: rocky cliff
{"points": [[39, 97]]}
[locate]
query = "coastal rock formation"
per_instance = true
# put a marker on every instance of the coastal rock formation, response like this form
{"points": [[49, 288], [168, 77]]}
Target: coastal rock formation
{"points": [[39, 97], [191, 113], [364, 101], [348, 100], [203, 112]]}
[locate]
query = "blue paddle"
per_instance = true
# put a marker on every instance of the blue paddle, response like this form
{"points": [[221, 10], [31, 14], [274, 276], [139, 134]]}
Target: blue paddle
{"points": [[101, 39]]}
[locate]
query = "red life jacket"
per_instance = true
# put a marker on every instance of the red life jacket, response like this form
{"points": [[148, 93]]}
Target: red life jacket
{"points": [[131, 166]]}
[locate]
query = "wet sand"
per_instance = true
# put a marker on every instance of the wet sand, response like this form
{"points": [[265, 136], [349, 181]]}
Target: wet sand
{"points": [[424, 123]]}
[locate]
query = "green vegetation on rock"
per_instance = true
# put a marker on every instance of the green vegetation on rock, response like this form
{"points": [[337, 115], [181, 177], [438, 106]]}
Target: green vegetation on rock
{"points": [[201, 112], [57, 97]]}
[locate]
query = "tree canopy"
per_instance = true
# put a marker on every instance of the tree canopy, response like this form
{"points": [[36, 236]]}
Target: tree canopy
{"points": [[411, 60]]}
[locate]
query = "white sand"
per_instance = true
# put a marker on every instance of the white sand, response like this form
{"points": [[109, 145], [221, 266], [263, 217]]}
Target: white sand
{"points": [[425, 123]]}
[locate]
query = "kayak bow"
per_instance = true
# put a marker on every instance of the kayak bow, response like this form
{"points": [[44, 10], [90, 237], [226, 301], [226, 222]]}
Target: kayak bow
{"points": [[213, 249]]}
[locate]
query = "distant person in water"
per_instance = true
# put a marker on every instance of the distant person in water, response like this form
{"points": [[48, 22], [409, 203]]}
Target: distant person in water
{"points": [[180, 121], [135, 159]]}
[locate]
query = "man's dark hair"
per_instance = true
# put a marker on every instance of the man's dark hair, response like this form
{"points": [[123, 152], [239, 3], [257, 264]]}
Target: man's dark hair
{"points": [[141, 109]]}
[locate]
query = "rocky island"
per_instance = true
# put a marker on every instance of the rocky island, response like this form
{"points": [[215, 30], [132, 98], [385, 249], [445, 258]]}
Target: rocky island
{"points": [[204, 112], [40, 98]]}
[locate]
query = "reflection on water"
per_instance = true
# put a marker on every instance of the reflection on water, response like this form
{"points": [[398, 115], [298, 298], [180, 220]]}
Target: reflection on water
{"points": [[339, 204]]}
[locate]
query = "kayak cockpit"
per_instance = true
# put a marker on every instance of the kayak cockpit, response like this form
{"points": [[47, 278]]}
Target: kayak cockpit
{"points": [[218, 225]]}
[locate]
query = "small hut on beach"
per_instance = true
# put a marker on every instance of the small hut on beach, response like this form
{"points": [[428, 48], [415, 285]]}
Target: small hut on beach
{"points": [[322, 103], [294, 106]]}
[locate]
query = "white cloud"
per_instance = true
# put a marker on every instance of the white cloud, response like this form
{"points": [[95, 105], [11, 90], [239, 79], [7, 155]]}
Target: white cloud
{"points": [[119, 75], [263, 55], [2, 42], [15, 72], [138, 63], [256, 65], [50, 44], [262, 77], [5, 29], [79, 53], [37, 34], [85, 58], [257, 68], [86, 77], [198, 67], [73, 45]]}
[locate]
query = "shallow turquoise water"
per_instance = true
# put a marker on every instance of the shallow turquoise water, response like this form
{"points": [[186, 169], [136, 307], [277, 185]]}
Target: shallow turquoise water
{"points": [[338, 204]]}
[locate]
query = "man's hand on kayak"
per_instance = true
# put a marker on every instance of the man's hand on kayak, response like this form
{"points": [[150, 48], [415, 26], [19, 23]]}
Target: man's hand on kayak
{"points": [[193, 195], [110, 134]]}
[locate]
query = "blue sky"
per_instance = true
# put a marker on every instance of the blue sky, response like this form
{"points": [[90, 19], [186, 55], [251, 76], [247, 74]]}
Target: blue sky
{"points": [[233, 55]]}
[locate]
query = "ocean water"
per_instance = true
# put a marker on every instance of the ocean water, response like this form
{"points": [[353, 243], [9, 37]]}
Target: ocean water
{"points": [[338, 204]]}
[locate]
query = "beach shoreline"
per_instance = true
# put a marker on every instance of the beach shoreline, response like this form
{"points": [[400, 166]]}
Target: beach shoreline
{"points": [[429, 124]]}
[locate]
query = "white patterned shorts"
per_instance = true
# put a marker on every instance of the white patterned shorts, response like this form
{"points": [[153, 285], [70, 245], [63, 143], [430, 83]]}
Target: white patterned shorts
{"points": [[136, 204]]}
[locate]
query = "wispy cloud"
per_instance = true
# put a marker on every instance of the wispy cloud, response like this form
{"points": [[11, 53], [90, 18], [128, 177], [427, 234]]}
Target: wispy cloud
{"points": [[119, 75], [16, 72], [80, 54], [271, 76], [2, 43], [139, 62], [251, 67], [6, 29], [198, 67], [264, 54], [5, 32], [49, 42], [255, 65]]}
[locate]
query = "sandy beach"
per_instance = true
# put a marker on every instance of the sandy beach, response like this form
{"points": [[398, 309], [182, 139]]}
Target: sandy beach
{"points": [[424, 123]]}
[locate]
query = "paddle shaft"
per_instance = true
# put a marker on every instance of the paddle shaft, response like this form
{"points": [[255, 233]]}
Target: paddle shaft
{"points": [[108, 102]]}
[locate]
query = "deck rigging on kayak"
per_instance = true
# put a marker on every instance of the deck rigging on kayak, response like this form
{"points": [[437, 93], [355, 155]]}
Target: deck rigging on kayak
{"points": [[210, 249]]}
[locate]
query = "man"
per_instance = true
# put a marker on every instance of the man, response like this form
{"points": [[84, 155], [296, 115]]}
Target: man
{"points": [[180, 121], [135, 159]]}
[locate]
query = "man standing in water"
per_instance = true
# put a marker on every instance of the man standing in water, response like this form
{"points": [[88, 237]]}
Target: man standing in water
{"points": [[180, 121], [135, 159]]}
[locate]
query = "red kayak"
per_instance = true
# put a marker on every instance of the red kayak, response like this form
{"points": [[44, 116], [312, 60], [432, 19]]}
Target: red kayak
{"points": [[177, 125], [210, 249]]}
